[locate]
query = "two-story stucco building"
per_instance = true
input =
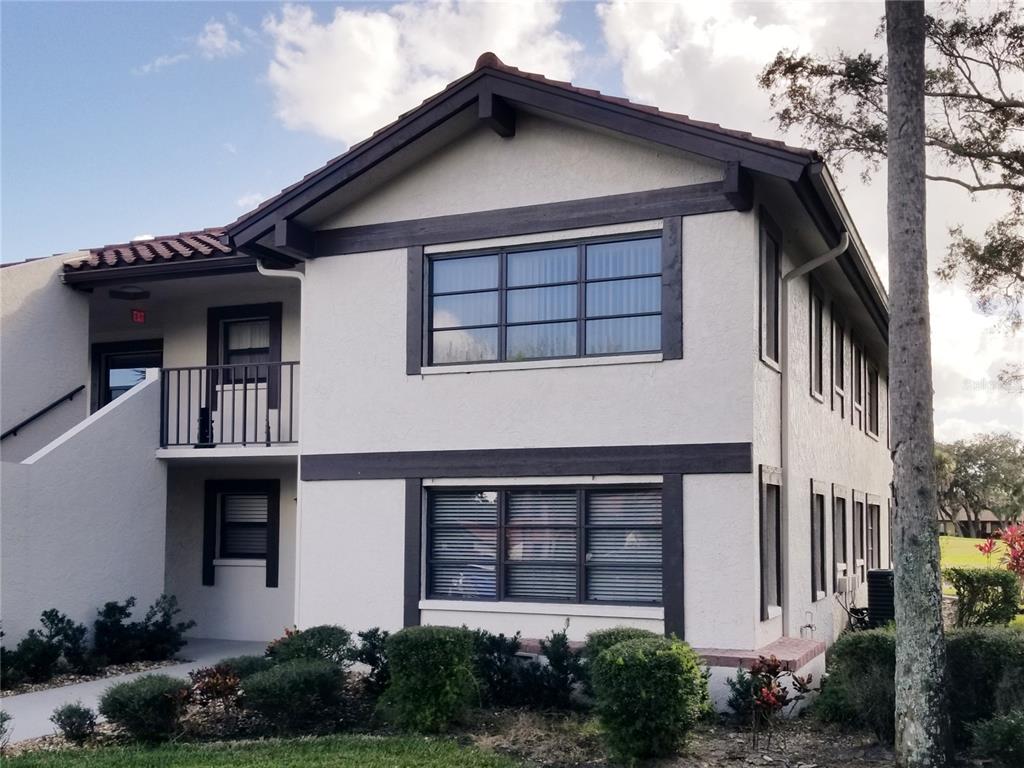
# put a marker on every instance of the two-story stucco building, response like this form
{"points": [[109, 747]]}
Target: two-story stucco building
{"points": [[527, 354]]}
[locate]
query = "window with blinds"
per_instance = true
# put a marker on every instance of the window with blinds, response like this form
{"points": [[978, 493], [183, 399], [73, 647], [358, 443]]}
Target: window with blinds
{"points": [[243, 525], [566, 545], [568, 300]]}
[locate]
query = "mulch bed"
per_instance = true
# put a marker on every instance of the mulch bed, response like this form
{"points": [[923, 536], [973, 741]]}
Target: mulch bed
{"points": [[59, 681]]}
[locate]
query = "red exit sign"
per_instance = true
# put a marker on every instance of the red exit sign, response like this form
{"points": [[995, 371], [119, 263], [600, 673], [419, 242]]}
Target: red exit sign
{"points": [[139, 316]]}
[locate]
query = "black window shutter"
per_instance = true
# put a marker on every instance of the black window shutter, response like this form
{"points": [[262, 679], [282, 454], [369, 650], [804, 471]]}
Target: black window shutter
{"points": [[209, 533], [273, 530]]}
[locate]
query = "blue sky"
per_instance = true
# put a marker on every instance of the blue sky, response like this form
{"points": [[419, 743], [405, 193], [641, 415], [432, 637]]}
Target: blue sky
{"points": [[96, 152], [126, 119]]}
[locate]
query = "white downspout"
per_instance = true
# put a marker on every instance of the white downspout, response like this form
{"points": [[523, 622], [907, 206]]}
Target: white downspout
{"points": [[793, 274], [287, 273]]}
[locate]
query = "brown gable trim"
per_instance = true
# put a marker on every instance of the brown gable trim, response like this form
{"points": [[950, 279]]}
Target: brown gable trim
{"points": [[516, 89], [710, 197]]}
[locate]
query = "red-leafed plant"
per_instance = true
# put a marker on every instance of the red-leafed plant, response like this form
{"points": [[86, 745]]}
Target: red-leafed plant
{"points": [[986, 548], [764, 696]]}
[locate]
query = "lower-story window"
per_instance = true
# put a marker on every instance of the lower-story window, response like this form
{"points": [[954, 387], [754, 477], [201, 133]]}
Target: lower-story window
{"points": [[771, 542], [545, 545], [874, 536], [818, 541]]}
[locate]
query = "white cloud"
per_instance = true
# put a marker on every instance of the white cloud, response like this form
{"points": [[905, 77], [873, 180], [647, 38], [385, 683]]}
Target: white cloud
{"points": [[230, 148], [161, 62], [214, 42], [357, 71], [249, 200]]}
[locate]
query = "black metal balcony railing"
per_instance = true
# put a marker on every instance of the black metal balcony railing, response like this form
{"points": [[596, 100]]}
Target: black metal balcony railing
{"points": [[244, 404]]}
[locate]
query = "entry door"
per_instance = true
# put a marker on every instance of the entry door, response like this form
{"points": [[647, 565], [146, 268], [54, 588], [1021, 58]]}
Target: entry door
{"points": [[120, 365]]}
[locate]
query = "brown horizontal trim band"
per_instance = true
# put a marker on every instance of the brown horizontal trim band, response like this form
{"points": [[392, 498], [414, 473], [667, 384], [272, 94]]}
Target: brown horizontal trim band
{"points": [[686, 459], [710, 197], [201, 267]]}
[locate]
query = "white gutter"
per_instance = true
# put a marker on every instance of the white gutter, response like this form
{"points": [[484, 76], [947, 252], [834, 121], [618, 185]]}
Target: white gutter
{"points": [[793, 274], [287, 273]]}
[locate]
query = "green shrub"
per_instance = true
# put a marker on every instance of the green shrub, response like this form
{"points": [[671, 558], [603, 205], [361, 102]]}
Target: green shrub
{"points": [[157, 637], [76, 722], [985, 677], [36, 658], [298, 696], [68, 636], [245, 667], [148, 708], [550, 683], [431, 676], [605, 638], [10, 675], [326, 641], [373, 654], [1001, 739], [650, 691], [985, 596], [497, 667]]}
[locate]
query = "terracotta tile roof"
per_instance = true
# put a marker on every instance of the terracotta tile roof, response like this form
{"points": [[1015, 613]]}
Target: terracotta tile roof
{"points": [[185, 246], [490, 60]]}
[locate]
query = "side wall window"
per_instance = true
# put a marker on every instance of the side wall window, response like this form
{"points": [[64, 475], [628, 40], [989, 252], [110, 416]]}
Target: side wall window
{"points": [[838, 364], [816, 345], [839, 529], [771, 541], [819, 546], [859, 525], [770, 267], [872, 399], [874, 535]]}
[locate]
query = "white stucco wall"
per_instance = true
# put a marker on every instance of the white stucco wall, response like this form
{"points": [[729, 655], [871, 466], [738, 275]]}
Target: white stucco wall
{"points": [[824, 446], [44, 353], [239, 605], [82, 521]]}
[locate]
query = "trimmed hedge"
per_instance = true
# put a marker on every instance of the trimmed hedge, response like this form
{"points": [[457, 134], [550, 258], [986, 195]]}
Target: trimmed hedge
{"points": [[650, 692], [432, 679], [985, 596], [76, 722], [603, 639], [304, 695], [148, 708], [244, 667], [985, 677], [325, 641]]}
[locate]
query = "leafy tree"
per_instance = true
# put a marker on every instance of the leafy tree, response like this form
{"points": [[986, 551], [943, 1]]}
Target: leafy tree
{"points": [[974, 133], [922, 722], [983, 473]]}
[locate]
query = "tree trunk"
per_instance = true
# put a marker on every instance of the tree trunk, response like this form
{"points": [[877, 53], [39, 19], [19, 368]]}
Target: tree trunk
{"points": [[921, 713]]}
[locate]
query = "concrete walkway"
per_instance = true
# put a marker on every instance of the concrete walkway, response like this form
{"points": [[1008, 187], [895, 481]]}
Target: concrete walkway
{"points": [[31, 711]]}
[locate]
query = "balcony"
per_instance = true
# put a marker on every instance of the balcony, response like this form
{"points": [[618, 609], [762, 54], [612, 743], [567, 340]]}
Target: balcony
{"points": [[253, 404]]}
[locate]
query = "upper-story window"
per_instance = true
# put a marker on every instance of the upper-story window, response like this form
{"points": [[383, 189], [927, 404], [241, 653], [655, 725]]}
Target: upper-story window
{"points": [[872, 400], [858, 387], [573, 300], [838, 364], [770, 272], [817, 345]]}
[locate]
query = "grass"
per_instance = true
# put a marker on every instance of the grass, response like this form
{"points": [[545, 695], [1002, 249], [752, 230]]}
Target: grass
{"points": [[324, 752], [958, 552]]}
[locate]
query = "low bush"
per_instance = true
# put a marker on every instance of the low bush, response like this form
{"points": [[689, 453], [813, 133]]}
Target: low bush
{"points": [[497, 668], [985, 677], [650, 692], [372, 653], [245, 667], [75, 722], [328, 642], [36, 658], [149, 708], [10, 675], [157, 637], [218, 686], [1001, 739], [550, 682], [985, 596], [68, 637], [432, 679], [298, 696], [602, 639]]}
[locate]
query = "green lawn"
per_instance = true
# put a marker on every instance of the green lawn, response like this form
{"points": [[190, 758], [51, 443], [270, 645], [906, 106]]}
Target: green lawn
{"points": [[958, 552], [325, 752]]}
